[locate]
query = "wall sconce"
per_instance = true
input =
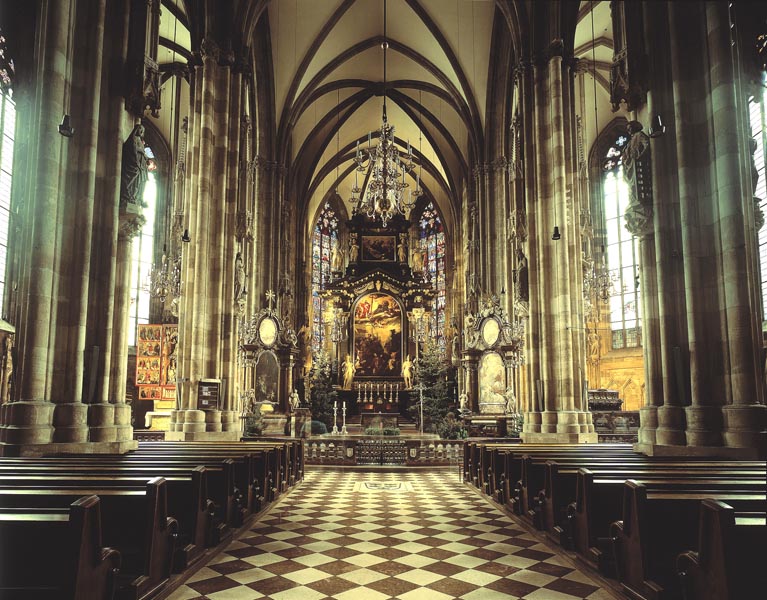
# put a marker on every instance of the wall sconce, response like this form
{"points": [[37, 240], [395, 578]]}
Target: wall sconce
{"points": [[657, 128], [556, 235], [65, 128], [185, 238]]}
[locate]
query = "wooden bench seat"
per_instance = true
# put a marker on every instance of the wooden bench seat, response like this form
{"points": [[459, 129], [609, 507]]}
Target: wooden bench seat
{"points": [[658, 525], [728, 562], [56, 554], [226, 500], [560, 483], [135, 522], [187, 501]]}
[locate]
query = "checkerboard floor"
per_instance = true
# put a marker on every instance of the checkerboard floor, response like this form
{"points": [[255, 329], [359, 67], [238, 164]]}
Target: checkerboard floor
{"points": [[421, 535]]}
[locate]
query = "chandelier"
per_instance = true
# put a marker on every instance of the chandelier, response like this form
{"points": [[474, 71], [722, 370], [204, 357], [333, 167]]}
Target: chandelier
{"points": [[599, 281], [386, 169], [165, 278]]}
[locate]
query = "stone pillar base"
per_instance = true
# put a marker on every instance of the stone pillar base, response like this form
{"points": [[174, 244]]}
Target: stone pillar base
{"points": [[213, 420], [559, 438], [101, 422], [27, 422], [230, 421], [123, 414], [699, 451], [64, 448], [670, 431], [648, 423], [194, 421], [704, 425], [568, 423], [70, 422], [202, 436], [745, 426], [177, 420]]}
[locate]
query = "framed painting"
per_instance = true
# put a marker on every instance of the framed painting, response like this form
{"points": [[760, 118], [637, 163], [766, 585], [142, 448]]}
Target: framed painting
{"points": [[378, 336], [492, 383], [379, 248]]}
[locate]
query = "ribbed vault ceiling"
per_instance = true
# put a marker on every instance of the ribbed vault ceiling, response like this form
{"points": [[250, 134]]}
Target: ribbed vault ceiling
{"points": [[328, 74]]}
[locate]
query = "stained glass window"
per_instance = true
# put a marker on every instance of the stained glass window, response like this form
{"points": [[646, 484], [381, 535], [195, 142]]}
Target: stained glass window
{"points": [[324, 240], [759, 132], [622, 251], [432, 241], [7, 134]]}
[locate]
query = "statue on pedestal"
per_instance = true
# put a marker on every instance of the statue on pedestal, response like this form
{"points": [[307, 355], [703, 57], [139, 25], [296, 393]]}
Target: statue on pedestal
{"points": [[294, 400], [134, 169], [349, 370], [407, 372]]}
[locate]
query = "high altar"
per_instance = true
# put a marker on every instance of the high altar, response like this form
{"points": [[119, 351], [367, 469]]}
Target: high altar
{"points": [[377, 302]]}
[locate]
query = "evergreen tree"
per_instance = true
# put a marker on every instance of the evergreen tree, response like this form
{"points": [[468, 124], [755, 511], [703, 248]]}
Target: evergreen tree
{"points": [[322, 393], [432, 371]]}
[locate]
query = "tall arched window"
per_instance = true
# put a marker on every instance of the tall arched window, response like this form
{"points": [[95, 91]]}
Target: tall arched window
{"points": [[143, 255], [324, 240], [759, 132], [7, 136], [622, 251], [432, 240]]}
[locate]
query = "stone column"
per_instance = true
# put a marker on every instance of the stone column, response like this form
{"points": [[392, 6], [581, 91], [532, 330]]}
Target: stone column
{"points": [[211, 191], [713, 389], [557, 351]]}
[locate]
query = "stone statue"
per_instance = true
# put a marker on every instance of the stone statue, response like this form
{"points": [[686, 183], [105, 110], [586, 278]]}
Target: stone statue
{"points": [[294, 400], [511, 401], [636, 173], [349, 370], [522, 277], [134, 169], [417, 262], [7, 370], [463, 400], [239, 279], [353, 249], [402, 248], [407, 372], [336, 258], [593, 339]]}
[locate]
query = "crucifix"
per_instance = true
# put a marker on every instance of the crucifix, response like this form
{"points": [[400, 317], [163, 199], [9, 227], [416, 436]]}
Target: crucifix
{"points": [[270, 298]]}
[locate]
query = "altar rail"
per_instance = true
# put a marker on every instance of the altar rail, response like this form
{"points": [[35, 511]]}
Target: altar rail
{"points": [[386, 450]]}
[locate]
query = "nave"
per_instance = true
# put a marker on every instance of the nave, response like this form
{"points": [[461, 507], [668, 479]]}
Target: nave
{"points": [[418, 535]]}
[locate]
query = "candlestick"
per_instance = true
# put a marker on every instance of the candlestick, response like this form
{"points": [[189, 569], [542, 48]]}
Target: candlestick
{"points": [[343, 428]]}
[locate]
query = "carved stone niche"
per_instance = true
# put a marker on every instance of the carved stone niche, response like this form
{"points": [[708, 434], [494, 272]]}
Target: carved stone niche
{"points": [[142, 86], [628, 73]]}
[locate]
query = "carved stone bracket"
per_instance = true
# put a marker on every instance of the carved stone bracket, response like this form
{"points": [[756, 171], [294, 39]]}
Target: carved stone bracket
{"points": [[130, 225]]}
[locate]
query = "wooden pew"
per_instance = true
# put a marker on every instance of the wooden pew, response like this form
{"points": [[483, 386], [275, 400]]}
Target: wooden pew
{"points": [[267, 458], [187, 498], [56, 554], [728, 563], [222, 508], [658, 525], [135, 522], [599, 502], [561, 487]]}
